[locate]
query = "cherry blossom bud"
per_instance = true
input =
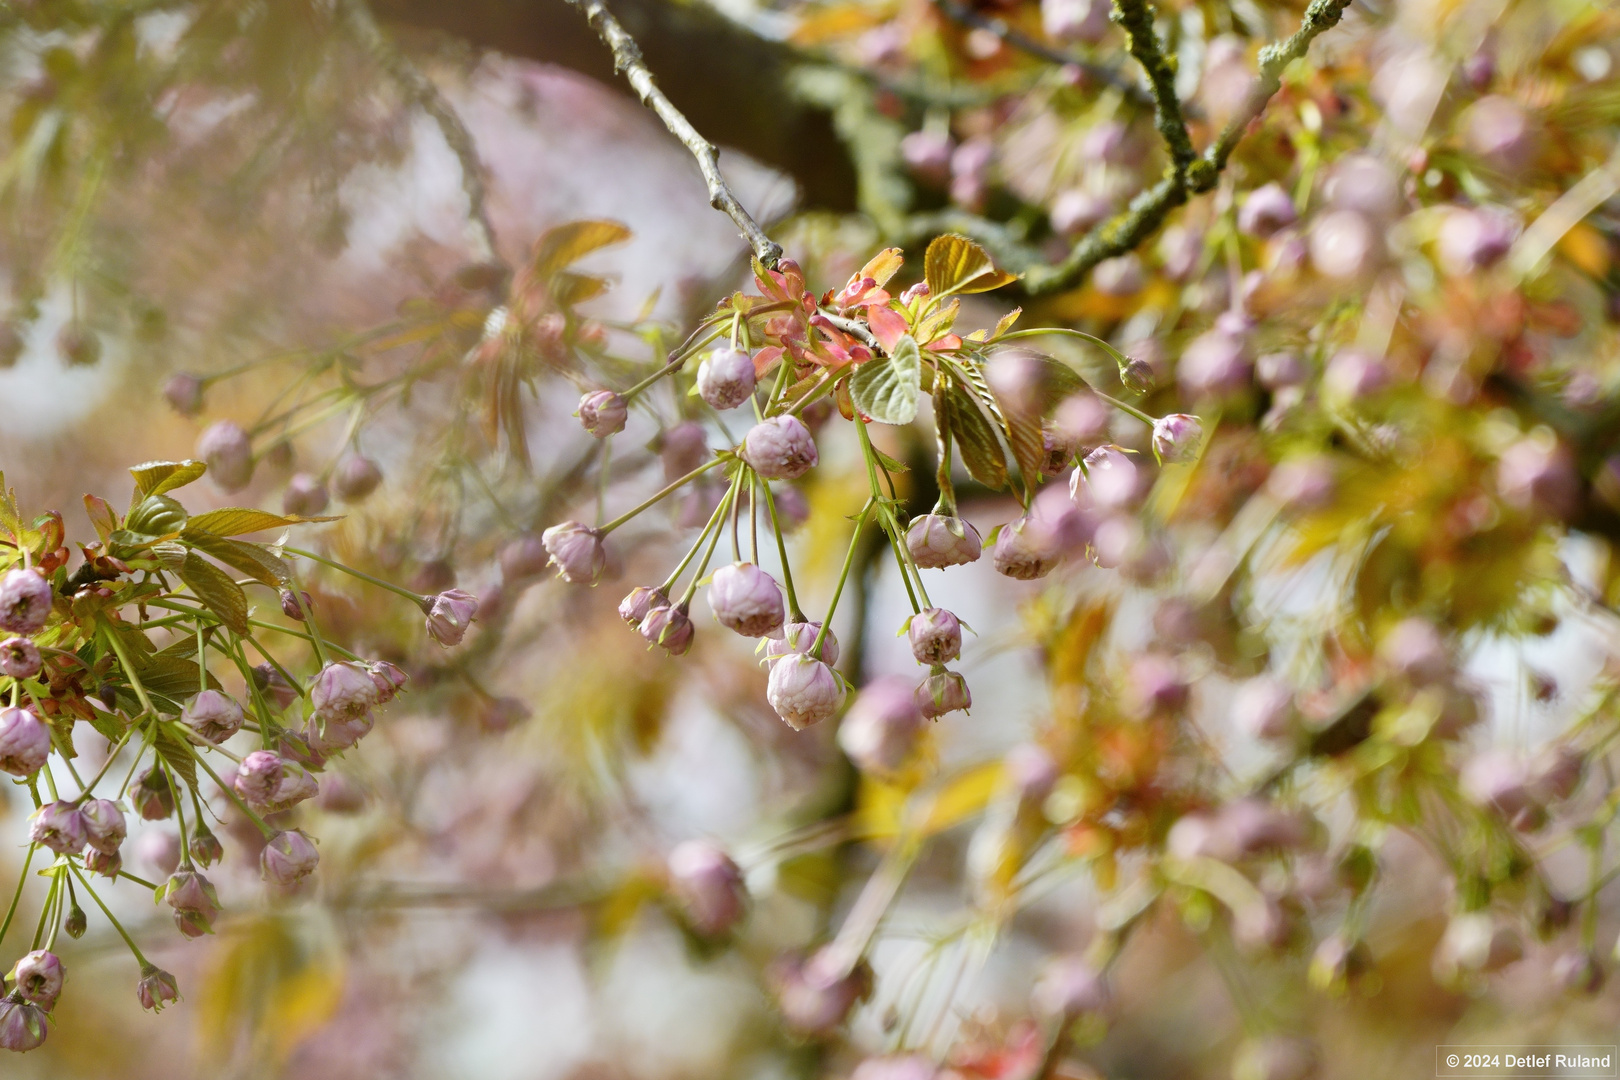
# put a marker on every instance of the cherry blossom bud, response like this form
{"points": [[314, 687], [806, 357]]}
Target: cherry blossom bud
{"points": [[297, 783], [780, 448], [194, 902], [523, 558], [1479, 70], [1344, 245], [1176, 437], [669, 626], [343, 691], [291, 607], [1071, 527], [937, 541], [37, 977], [1070, 987], [815, 993], [157, 852], [1214, 364], [942, 692], [19, 658], [502, 714], [205, 847], [881, 726], [602, 413], [25, 601], [340, 795], [59, 826], [1077, 210], [184, 392], [1414, 649], [1180, 250], [1264, 707], [156, 988], [927, 153], [1279, 369], [1075, 20], [258, 776], [707, 887], [1275, 1057], [107, 864], [1081, 420], [1365, 184], [1030, 771], [747, 600], [1120, 276], [1026, 549], [389, 680], [104, 825], [801, 637], [1578, 972], [683, 448], [225, 448], [936, 636], [1155, 684], [288, 858], [355, 476], [1471, 240], [213, 716], [22, 1026], [576, 551], [305, 495], [1110, 480], [1138, 375], [449, 616], [78, 345], [76, 922], [1555, 772], [914, 292], [803, 691], [726, 378], [1266, 210], [1499, 780], [152, 796], [792, 508], [1500, 131], [272, 682], [970, 171], [642, 599], [1538, 477], [1474, 942], [1353, 374]]}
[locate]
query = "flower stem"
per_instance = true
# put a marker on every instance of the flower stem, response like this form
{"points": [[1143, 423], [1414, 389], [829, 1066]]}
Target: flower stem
{"points": [[794, 613], [110, 917], [658, 495], [16, 895], [422, 602], [843, 576]]}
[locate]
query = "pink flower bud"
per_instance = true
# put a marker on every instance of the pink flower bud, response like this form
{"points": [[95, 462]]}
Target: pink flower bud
{"points": [[389, 680], [272, 682], [228, 453], [1365, 184], [1070, 987], [669, 626], [297, 783], [1030, 771], [107, 864], [937, 541], [22, 1026], [815, 993], [258, 776], [1471, 240], [523, 558], [936, 636], [37, 977], [881, 726], [1081, 420], [449, 616], [1120, 276], [683, 448], [25, 601], [288, 858], [1279, 369], [1414, 649], [152, 796], [503, 713], [59, 826], [355, 476], [1266, 210], [156, 988], [1264, 707], [1075, 20], [104, 825], [343, 691], [194, 902], [1026, 549], [780, 448], [213, 716], [1500, 131], [1500, 780], [800, 637], [291, 606], [1556, 772], [707, 887], [726, 378], [927, 153], [943, 692], [305, 495], [1538, 477], [184, 392], [1180, 250], [1353, 374], [157, 852], [1076, 210], [205, 847], [747, 600], [1155, 684], [576, 551], [602, 413], [19, 658], [803, 691], [1138, 375], [1214, 364], [642, 599], [341, 795], [1176, 437], [1110, 480], [970, 171], [1344, 245], [1070, 527]]}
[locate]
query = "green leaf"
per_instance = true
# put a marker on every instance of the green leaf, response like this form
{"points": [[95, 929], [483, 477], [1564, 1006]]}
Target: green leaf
{"points": [[216, 589], [101, 516], [174, 677], [177, 755], [890, 463], [886, 390], [235, 520], [975, 437], [156, 477], [560, 246], [568, 288], [170, 555], [955, 264], [254, 560]]}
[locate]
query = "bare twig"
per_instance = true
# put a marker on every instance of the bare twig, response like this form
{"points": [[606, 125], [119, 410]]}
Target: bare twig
{"points": [[426, 96], [627, 60], [1135, 17]]}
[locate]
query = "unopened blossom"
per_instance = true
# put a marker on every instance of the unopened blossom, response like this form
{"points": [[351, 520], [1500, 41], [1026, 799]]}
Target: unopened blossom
{"points": [[1215, 364], [682, 448], [1471, 240], [927, 153], [1110, 480], [726, 378], [1121, 275], [25, 742], [1498, 129], [803, 691], [22, 1025], [1081, 420], [503, 713], [228, 453], [77, 344], [184, 393], [194, 902], [1366, 184], [942, 692], [1075, 20], [747, 600], [297, 784], [935, 635], [668, 626], [1030, 771], [815, 993], [104, 825], [289, 857], [37, 977], [792, 508], [523, 558], [1176, 437], [1070, 987], [59, 826], [780, 448], [1155, 684], [1353, 374], [1070, 527], [576, 551], [707, 886], [1026, 549], [449, 614], [107, 864], [258, 776], [213, 716], [389, 679], [343, 691], [801, 637], [1267, 210], [305, 495], [205, 847], [937, 541], [19, 658], [25, 601], [156, 988], [641, 599], [602, 413], [1344, 245], [881, 725], [152, 796], [1277, 370]]}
